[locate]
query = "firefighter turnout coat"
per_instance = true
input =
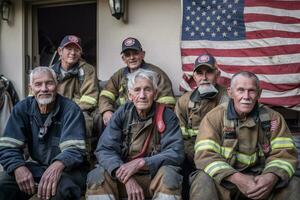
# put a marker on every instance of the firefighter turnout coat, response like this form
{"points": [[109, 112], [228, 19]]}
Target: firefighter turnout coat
{"points": [[115, 92], [226, 144], [79, 84]]}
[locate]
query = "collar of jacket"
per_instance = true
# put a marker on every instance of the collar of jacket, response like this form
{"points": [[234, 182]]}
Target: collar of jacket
{"points": [[150, 114], [34, 110], [232, 115], [74, 69], [143, 66]]}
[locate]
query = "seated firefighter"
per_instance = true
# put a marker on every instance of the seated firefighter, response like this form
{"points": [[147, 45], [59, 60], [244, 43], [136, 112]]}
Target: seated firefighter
{"points": [[77, 80], [140, 150], [192, 106], [114, 93], [52, 127], [244, 149]]}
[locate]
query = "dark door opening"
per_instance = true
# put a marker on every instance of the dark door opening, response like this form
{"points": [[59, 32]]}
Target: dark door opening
{"points": [[57, 21]]}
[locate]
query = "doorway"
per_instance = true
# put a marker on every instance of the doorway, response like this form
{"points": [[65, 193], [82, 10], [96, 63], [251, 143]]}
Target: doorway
{"points": [[57, 21]]}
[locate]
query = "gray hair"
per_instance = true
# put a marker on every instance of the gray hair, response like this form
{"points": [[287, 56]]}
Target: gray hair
{"points": [[42, 69], [244, 74], [142, 73]]}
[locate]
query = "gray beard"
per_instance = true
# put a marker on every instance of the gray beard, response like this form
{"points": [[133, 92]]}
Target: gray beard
{"points": [[207, 88], [45, 101]]}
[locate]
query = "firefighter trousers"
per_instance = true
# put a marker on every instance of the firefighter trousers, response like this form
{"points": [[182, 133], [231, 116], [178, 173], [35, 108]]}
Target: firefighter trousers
{"points": [[205, 188], [70, 185], [166, 184], [93, 132]]}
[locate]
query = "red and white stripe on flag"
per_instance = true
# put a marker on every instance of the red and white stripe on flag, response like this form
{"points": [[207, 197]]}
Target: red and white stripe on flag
{"points": [[270, 47]]}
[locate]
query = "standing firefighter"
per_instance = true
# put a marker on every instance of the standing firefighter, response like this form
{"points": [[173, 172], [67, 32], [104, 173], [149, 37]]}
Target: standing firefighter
{"points": [[140, 150], [115, 92], [77, 80], [193, 106], [244, 149], [52, 127]]}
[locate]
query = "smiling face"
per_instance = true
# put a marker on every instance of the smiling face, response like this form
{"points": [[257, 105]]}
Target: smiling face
{"points": [[133, 58], [69, 55], [43, 87], [142, 95], [245, 93]]}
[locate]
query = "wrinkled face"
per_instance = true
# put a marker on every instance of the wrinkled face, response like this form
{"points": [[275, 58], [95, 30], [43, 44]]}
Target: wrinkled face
{"points": [[205, 75], [244, 94], [142, 95], [69, 55], [43, 88], [133, 58]]}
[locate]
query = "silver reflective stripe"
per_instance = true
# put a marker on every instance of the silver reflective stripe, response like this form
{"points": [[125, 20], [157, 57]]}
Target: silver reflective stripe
{"points": [[163, 196], [80, 144], [11, 142], [100, 197]]}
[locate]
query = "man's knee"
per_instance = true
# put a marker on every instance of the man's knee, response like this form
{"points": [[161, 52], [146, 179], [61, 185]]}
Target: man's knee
{"points": [[9, 189], [6, 180], [202, 185], [167, 182], [71, 185], [290, 191], [171, 177], [95, 178], [100, 185]]}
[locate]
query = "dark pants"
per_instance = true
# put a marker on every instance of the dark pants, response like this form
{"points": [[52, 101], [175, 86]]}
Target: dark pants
{"points": [[188, 167], [70, 186]]}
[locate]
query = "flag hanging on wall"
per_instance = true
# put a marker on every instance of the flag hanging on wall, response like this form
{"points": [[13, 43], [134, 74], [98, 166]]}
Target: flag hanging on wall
{"points": [[261, 36]]}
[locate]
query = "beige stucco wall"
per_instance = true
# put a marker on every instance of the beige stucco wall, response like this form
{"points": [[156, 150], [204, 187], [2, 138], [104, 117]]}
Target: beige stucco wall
{"points": [[156, 23], [12, 48]]}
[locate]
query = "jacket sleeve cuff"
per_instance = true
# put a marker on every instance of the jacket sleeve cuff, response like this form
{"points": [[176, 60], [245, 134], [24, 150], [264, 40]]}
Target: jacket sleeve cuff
{"points": [[112, 170], [219, 178], [282, 175], [10, 170], [102, 111], [67, 162], [151, 165]]}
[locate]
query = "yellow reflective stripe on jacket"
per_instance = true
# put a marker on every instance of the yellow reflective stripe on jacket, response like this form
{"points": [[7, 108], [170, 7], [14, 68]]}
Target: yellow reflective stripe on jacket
{"points": [[89, 100], [188, 131], [282, 164], [80, 144], [207, 145], [167, 100], [212, 145], [282, 142], [108, 94], [216, 166], [121, 89], [10, 142], [122, 100], [247, 159], [226, 152]]}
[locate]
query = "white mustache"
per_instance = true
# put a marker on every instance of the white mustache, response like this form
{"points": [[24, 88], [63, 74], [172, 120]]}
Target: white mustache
{"points": [[204, 82], [246, 101]]}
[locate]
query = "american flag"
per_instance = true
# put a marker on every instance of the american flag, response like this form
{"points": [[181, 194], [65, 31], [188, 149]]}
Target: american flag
{"points": [[261, 36]]}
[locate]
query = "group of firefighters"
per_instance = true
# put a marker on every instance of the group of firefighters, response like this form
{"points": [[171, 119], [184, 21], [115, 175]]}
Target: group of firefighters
{"points": [[212, 143]]}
